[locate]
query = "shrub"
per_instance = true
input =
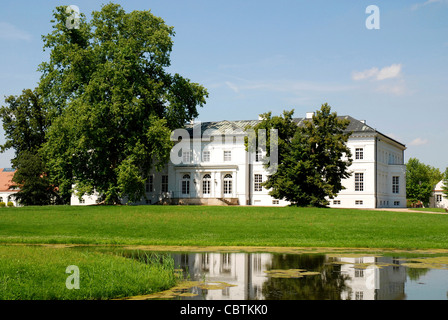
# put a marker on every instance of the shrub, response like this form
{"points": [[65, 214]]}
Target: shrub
{"points": [[10, 204], [2, 204]]}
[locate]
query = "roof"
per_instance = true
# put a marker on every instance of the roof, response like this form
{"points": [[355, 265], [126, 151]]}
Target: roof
{"points": [[6, 175], [439, 186], [225, 126]]}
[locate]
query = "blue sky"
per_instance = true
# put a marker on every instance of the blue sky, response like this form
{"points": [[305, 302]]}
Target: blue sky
{"points": [[256, 56]]}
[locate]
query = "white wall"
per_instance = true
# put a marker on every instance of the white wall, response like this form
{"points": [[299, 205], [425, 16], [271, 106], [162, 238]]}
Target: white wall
{"points": [[4, 198]]}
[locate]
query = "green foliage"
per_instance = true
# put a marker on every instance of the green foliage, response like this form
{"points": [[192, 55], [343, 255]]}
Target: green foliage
{"points": [[445, 182], [10, 204], [25, 122], [313, 158], [2, 204], [113, 102], [420, 181], [34, 184]]}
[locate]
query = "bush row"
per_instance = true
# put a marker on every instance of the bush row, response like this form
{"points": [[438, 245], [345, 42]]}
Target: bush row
{"points": [[10, 204]]}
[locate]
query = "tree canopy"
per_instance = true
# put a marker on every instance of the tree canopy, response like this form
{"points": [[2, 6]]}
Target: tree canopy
{"points": [[420, 180], [25, 121], [445, 182], [110, 104], [313, 158]]}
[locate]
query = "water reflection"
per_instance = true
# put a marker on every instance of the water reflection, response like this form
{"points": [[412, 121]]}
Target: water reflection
{"points": [[257, 276]]}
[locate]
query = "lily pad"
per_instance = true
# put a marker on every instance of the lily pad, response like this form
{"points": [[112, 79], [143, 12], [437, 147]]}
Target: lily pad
{"points": [[290, 273]]}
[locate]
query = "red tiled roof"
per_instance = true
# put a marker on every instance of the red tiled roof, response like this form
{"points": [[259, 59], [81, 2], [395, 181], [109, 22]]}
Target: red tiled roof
{"points": [[6, 180]]}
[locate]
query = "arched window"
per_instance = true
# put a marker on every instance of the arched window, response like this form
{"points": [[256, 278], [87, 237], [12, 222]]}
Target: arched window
{"points": [[228, 184], [186, 184], [206, 184]]}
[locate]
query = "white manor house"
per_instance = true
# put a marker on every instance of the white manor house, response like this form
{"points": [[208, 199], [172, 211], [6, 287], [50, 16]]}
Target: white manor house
{"points": [[218, 173]]}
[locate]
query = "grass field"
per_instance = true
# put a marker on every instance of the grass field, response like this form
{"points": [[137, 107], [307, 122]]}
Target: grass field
{"points": [[223, 226], [39, 273]]}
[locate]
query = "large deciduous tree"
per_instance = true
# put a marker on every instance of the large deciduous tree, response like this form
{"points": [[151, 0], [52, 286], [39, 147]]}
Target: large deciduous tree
{"points": [[313, 158], [114, 103]]}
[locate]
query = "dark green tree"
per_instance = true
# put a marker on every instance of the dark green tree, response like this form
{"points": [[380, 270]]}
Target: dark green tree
{"points": [[313, 157], [445, 182], [25, 122], [420, 181], [31, 178], [114, 103]]}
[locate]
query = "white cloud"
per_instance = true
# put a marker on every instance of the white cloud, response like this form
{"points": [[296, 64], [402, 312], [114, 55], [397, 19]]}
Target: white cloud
{"points": [[232, 86], [390, 72], [11, 32], [418, 142], [356, 75], [423, 4], [393, 71]]}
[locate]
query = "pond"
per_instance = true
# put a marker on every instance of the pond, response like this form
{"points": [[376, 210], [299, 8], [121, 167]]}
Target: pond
{"points": [[308, 276]]}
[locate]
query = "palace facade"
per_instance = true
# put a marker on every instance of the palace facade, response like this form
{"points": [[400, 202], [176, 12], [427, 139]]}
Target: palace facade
{"points": [[219, 171]]}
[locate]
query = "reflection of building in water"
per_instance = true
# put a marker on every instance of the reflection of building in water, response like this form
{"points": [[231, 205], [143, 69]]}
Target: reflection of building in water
{"points": [[245, 271], [367, 278], [373, 278]]}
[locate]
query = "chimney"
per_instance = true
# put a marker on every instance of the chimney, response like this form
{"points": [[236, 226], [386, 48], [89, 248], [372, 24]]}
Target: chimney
{"points": [[363, 121], [309, 115]]}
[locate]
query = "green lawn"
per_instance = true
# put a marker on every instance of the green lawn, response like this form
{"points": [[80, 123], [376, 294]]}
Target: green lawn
{"points": [[213, 226]]}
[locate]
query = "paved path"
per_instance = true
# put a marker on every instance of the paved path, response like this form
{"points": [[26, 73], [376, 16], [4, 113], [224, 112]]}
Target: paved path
{"points": [[408, 210]]}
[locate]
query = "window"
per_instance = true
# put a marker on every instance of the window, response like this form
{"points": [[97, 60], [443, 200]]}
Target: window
{"points": [[395, 184], [258, 156], [82, 200], [186, 156], [206, 184], [228, 184], [438, 198], [149, 185], [359, 295], [186, 184], [1, 199], [164, 183], [275, 202], [396, 203], [258, 179], [227, 155], [359, 202], [359, 181], [336, 202], [206, 156], [359, 153]]}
